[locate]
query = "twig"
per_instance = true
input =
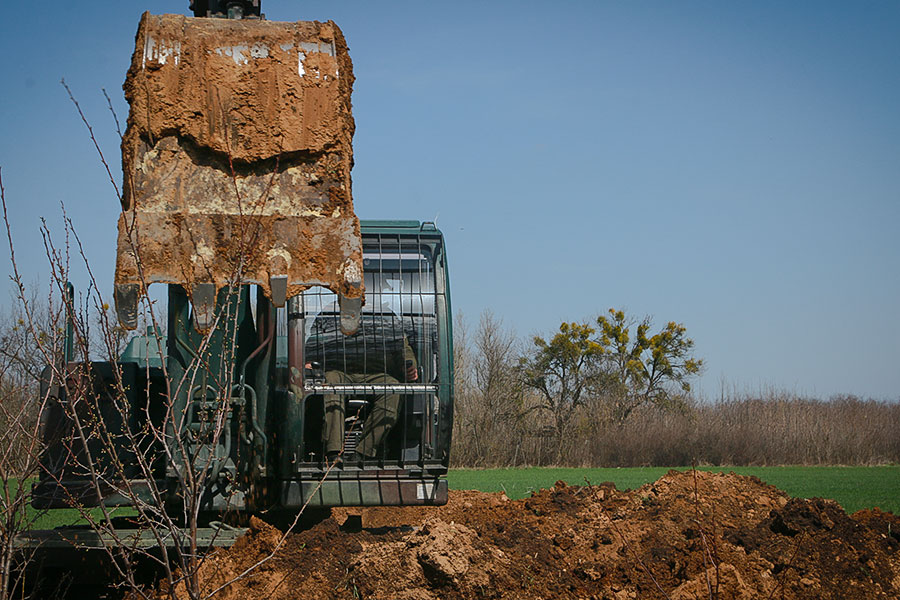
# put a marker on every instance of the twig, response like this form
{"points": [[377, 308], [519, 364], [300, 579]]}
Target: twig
{"points": [[84, 120], [113, 111]]}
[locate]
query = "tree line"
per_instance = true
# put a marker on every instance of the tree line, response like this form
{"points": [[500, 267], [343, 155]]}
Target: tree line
{"points": [[612, 391]]}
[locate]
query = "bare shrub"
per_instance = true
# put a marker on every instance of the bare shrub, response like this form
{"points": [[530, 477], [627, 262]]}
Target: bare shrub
{"points": [[754, 430], [490, 404], [26, 343], [110, 441]]}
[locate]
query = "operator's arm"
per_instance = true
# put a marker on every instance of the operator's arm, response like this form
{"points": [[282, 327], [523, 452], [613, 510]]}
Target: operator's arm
{"points": [[409, 360]]}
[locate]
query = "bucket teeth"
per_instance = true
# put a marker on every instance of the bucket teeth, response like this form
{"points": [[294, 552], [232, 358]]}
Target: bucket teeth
{"points": [[126, 299], [278, 285], [350, 309], [203, 297]]}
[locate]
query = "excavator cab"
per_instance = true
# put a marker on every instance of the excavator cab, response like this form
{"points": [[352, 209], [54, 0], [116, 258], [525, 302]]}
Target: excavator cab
{"points": [[388, 387]]}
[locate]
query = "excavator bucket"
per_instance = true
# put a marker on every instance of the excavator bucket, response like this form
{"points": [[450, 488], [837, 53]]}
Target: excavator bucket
{"points": [[236, 163]]}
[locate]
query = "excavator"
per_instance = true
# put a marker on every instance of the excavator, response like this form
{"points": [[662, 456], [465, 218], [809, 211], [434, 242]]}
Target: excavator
{"points": [[303, 358]]}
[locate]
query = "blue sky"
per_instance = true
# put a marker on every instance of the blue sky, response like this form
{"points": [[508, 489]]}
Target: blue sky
{"points": [[731, 166]]}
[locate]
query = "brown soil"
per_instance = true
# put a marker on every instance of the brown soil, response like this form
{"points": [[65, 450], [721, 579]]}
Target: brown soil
{"points": [[249, 89], [703, 535]]}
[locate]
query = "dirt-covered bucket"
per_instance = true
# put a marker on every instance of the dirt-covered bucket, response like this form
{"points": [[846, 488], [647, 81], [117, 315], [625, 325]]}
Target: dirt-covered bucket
{"points": [[237, 161]]}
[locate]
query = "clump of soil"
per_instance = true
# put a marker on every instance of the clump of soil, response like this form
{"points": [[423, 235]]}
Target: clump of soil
{"points": [[688, 535]]}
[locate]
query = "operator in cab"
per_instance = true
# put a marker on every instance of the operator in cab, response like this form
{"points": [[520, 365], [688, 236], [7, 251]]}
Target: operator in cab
{"points": [[379, 353]]}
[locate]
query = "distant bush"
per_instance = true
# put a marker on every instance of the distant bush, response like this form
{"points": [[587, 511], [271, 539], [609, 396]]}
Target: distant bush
{"points": [[748, 430], [778, 429]]}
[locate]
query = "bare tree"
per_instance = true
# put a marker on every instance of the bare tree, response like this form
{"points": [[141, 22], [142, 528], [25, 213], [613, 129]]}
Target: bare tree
{"points": [[19, 449], [465, 400], [489, 394], [22, 407]]}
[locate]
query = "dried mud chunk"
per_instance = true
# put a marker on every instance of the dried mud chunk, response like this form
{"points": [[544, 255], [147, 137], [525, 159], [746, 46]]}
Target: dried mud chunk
{"points": [[725, 580], [386, 570], [439, 559], [249, 89], [444, 551], [800, 515]]}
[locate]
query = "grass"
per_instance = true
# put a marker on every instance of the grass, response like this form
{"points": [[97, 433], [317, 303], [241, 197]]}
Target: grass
{"points": [[854, 488], [64, 517]]}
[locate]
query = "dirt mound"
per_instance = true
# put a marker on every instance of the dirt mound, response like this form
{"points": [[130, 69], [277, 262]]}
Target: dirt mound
{"points": [[687, 535]]}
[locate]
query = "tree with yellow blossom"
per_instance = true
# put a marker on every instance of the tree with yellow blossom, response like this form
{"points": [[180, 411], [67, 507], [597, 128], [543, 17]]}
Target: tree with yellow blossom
{"points": [[644, 369], [617, 366]]}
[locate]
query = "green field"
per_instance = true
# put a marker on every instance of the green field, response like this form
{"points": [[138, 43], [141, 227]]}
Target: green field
{"points": [[65, 517], [854, 488]]}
